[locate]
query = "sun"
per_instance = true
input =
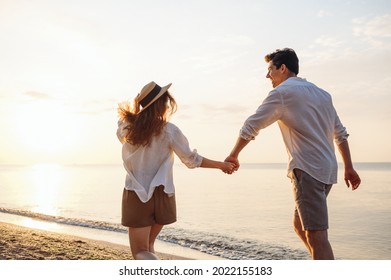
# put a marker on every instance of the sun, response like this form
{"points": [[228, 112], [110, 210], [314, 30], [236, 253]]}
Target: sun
{"points": [[46, 127]]}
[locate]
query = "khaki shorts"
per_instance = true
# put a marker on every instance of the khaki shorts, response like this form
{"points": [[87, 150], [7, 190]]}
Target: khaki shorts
{"points": [[160, 209], [310, 198]]}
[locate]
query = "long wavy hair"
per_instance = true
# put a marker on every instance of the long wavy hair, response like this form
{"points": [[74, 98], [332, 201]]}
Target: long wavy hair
{"points": [[144, 125]]}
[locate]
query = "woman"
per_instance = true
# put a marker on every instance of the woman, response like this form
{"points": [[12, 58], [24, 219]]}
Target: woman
{"points": [[149, 143]]}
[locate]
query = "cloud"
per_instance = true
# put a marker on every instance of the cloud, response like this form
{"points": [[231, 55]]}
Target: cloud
{"points": [[329, 41], [219, 52], [206, 113], [95, 107], [323, 14], [324, 48], [75, 106], [233, 40], [368, 34], [375, 31], [38, 95]]}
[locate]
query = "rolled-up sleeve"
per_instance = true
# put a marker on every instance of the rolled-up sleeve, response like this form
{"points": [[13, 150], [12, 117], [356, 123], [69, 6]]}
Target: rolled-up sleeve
{"points": [[340, 132], [180, 145], [267, 113]]}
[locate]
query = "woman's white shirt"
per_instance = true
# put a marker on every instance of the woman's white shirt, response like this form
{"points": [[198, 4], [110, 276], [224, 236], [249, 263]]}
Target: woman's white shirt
{"points": [[148, 167]]}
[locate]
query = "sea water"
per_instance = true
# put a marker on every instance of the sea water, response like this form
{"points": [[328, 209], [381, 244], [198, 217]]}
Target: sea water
{"points": [[247, 215]]}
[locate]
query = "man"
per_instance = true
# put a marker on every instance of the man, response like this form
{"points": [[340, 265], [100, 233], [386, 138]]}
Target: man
{"points": [[309, 124]]}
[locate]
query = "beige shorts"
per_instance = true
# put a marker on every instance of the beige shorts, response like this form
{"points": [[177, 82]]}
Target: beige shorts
{"points": [[160, 209], [311, 201]]}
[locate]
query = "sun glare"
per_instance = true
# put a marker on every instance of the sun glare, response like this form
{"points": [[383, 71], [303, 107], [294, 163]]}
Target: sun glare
{"points": [[46, 128], [47, 180]]}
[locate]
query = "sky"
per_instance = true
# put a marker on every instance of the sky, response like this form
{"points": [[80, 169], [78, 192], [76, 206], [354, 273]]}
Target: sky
{"points": [[66, 64]]}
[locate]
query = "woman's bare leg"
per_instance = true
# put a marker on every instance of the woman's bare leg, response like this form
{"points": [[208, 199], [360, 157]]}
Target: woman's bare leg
{"points": [[155, 230], [139, 243]]}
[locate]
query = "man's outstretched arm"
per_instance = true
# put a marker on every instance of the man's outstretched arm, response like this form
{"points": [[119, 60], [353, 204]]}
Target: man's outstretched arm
{"points": [[234, 155]]}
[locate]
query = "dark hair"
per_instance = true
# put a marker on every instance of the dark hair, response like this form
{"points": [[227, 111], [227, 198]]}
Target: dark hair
{"points": [[285, 56], [143, 126]]}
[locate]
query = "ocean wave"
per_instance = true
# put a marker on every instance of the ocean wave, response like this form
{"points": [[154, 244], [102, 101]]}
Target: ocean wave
{"points": [[210, 243], [67, 221], [230, 247]]}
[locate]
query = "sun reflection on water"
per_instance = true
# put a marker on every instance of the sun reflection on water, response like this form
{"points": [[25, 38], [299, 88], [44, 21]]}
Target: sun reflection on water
{"points": [[47, 180]]}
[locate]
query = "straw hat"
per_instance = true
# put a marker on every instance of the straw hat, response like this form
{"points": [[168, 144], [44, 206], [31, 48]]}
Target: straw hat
{"points": [[150, 93]]}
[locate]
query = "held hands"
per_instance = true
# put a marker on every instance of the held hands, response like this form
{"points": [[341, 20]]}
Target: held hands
{"points": [[227, 167], [234, 162]]}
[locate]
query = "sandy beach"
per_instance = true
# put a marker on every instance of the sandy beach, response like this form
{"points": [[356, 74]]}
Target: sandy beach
{"points": [[21, 243]]}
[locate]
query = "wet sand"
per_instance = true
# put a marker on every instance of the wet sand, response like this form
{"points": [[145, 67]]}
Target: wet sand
{"points": [[21, 243]]}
